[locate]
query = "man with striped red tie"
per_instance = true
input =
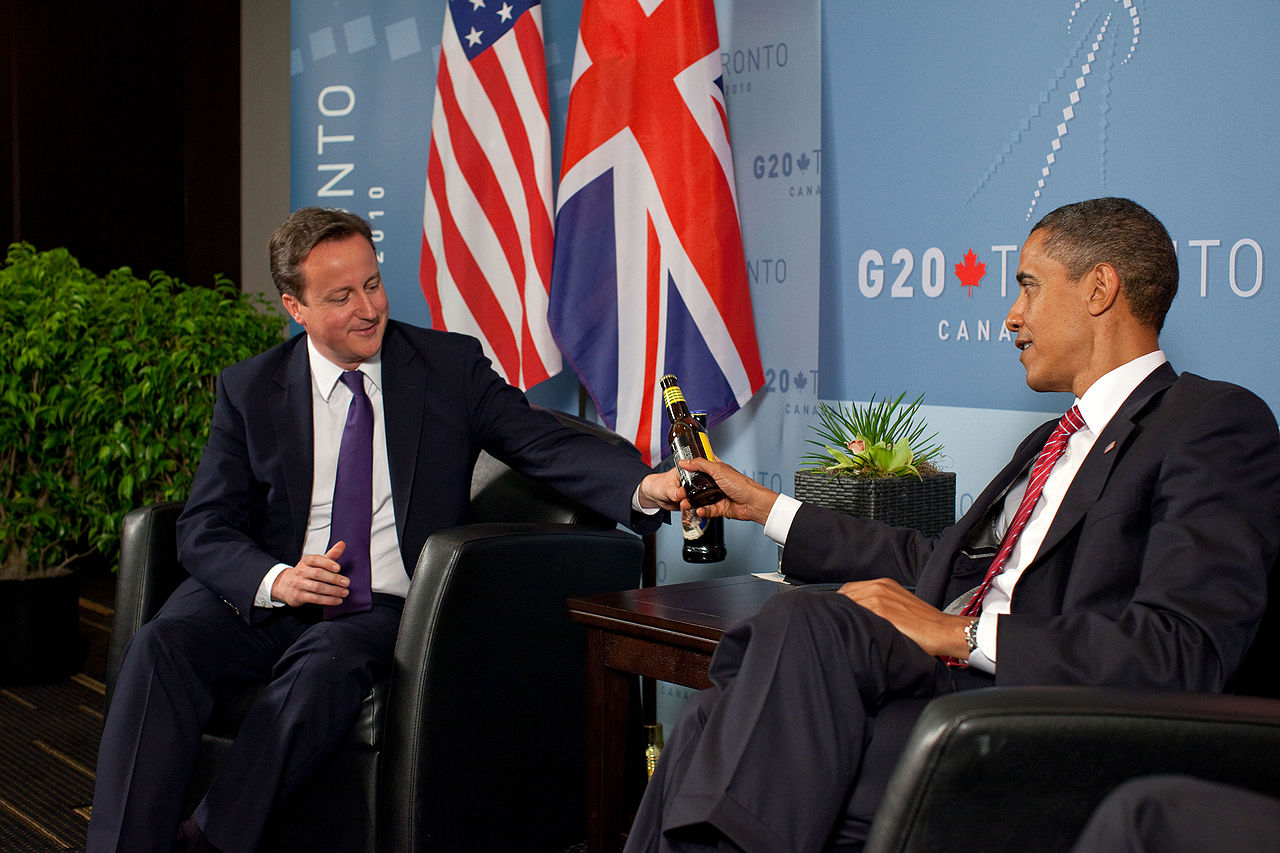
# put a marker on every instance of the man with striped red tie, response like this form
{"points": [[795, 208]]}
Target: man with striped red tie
{"points": [[1127, 544]]}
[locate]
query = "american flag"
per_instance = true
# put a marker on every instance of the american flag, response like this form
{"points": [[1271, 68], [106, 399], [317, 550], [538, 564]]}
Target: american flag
{"points": [[486, 223], [649, 275]]}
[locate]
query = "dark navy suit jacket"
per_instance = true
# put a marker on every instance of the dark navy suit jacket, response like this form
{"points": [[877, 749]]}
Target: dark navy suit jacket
{"points": [[443, 403], [1152, 574]]}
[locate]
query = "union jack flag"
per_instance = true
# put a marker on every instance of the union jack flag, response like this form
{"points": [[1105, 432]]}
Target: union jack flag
{"points": [[486, 224], [649, 275]]}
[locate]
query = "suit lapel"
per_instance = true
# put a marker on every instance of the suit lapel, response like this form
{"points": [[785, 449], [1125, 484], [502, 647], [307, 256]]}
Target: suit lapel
{"points": [[291, 418], [992, 497], [935, 578], [404, 384], [1107, 451], [1018, 466]]}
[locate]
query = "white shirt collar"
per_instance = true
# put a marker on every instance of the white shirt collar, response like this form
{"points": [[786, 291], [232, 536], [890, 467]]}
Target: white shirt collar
{"points": [[1104, 397], [326, 374]]}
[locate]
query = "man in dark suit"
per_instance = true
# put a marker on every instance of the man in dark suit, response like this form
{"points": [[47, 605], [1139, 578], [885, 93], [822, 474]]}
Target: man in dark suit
{"points": [[259, 536], [1140, 560]]}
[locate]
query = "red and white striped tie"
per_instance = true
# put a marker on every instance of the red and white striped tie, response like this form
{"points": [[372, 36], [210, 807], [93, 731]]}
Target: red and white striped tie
{"points": [[1053, 449]]}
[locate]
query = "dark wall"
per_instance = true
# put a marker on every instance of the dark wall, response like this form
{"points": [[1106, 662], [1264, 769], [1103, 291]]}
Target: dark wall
{"points": [[121, 136]]}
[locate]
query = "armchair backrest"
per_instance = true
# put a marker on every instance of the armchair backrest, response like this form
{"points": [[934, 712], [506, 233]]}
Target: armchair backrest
{"points": [[500, 494]]}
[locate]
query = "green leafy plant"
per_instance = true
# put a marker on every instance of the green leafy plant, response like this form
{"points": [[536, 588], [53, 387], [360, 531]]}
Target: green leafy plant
{"points": [[107, 394], [880, 439]]}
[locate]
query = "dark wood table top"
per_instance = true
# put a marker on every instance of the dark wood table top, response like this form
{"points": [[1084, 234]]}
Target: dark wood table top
{"points": [[691, 615]]}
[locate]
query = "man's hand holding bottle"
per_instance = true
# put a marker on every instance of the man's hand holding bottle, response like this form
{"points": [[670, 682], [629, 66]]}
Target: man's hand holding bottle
{"points": [[744, 499]]}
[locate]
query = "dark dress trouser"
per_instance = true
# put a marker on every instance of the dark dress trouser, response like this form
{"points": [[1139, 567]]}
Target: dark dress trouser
{"points": [[179, 666], [782, 751], [1180, 814]]}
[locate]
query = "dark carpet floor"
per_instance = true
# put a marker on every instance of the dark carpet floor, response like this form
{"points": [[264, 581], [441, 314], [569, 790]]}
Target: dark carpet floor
{"points": [[49, 742]]}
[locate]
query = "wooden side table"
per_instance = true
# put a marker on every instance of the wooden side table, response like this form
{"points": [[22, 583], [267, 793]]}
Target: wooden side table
{"points": [[666, 633]]}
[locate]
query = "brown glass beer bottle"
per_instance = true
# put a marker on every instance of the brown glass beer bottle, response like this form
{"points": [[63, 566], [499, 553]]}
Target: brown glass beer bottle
{"points": [[703, 537], [688, 441]]}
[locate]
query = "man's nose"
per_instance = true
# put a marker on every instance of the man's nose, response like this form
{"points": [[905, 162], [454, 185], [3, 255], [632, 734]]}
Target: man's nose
{"points": [[1013, 320], [364, 304]]}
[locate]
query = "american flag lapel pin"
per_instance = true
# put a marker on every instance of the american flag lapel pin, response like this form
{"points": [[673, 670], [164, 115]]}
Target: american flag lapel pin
{"points": [[1110, 447]]}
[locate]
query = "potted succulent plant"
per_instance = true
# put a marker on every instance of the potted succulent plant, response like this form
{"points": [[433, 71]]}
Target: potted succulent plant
{"points": [[875, 461], [105, 401]]}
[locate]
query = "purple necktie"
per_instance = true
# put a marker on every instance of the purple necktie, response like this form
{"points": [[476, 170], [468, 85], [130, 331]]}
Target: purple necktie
{"points": [[353, 499]]}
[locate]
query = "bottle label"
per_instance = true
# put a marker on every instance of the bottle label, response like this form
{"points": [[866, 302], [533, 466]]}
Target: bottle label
{"points": [[672, 395], [684, 450], [686, 477], [706, 446], [693, 524]]}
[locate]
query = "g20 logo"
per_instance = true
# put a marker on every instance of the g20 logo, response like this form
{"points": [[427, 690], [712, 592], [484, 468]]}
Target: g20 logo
{"points": [[931, 278]]}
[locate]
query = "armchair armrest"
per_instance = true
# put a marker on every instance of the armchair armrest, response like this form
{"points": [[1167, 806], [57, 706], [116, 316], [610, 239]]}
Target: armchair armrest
{"points": [[1006, 767], [483, 736]]}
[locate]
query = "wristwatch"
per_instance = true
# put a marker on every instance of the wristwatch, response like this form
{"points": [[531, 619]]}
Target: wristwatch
{"points": [[971, 635]]}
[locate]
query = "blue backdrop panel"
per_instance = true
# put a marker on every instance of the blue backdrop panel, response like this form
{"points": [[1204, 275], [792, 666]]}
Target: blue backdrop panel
{"points": [[362, 81], [952, 127]]}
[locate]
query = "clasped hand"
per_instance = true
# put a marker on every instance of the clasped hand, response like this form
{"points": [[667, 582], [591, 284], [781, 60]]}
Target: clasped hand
{"points": [[316, 579]]}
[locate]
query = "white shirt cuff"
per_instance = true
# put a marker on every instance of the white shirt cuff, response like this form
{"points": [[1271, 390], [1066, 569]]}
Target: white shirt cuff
{"points": [[781, 514], [263, 597], [635, 504]]}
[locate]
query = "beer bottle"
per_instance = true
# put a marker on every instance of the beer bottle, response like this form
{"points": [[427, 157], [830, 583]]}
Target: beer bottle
{"points": [[653, 747], [703, 537], [688, 440]]}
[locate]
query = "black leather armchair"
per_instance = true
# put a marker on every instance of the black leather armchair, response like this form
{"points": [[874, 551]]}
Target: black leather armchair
{"points": [[476, 741], [1022, 768]]}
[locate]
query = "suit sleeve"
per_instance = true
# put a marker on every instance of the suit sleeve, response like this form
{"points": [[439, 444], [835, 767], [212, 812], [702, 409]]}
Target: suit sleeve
{"points": [[825, 546], [1178, 560], [221, 526], [596, 473]]}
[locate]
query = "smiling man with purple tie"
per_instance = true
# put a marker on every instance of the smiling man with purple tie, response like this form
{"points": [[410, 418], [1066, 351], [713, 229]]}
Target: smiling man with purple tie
{"points": [[331, 458], [1134, 553]]}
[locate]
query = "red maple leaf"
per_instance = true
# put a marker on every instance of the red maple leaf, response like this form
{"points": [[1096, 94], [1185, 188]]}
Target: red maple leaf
{"points": [[970, 272]]}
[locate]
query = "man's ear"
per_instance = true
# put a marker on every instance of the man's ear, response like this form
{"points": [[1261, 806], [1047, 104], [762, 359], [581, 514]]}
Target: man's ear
{"points": [[1104, 284], [293, 306]]}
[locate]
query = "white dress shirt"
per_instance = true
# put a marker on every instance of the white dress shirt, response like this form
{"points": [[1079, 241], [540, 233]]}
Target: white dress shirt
{"points": [[330, 399], [1098, 405]]}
